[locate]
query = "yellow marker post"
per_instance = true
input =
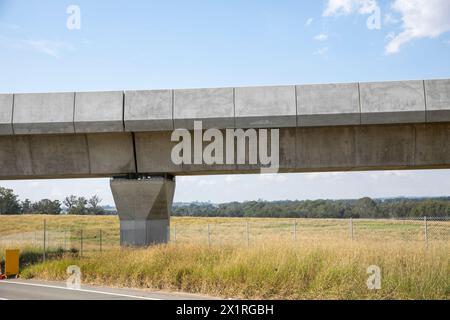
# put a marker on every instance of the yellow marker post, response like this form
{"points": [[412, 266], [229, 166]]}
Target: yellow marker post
{"points": [[12, 262]]}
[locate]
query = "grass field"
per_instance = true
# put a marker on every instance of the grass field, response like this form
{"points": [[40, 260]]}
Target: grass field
{"points": [[28, 229], [322, 262]]}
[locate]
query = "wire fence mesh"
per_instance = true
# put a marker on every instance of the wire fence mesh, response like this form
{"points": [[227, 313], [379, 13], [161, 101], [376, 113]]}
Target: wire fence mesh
{"points": [[237, 231]]}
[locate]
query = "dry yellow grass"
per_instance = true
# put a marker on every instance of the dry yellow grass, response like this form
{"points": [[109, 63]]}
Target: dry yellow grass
{"points": [[275, 271], [322, 264], [27, 229]]}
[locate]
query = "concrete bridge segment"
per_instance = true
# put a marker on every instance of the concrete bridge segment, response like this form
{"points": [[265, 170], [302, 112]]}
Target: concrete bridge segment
{"points": [[126, 135]]}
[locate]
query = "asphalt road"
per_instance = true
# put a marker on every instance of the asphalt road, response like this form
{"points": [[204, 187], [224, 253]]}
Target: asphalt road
{"points": [[39, 290]]}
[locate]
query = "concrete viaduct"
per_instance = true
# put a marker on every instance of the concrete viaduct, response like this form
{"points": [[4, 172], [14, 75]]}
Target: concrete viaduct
{"points": [[126, 135]]}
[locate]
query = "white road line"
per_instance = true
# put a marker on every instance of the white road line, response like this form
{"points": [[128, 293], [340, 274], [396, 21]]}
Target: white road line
{"points": [[82, 290]]}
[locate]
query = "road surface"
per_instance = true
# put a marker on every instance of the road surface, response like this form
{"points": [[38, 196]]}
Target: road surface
{"points": [[40, 290]]}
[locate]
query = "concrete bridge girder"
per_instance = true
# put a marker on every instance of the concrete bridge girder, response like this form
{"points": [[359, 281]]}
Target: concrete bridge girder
{"points": [[323, 127], [417, 101], [309, 149]]}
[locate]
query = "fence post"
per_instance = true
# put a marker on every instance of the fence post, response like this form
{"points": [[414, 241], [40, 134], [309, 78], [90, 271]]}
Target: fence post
{"points": [[81, 242], [248, 233], [175, 234], [426, 230], [351, 228], [101, 238], [45, 236], [295, 230], [65, 239], [209, 235]]}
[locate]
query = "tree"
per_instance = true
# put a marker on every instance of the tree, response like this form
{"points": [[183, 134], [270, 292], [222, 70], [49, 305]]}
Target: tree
{"points": [[46, 206], [80, 206], [70, 202], [27, 206], [94, 207], [76, 205], [366, 208], [9, 203]]}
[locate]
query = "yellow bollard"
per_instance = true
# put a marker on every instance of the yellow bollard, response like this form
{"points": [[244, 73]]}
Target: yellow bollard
{"points": [[12, 262]]}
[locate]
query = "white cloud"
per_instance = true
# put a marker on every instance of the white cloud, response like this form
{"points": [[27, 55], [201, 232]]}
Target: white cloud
{"points": [[390, 19], [231, 179], [309, 21], [48, 47], [322, 175], [56, 193], [346, 7], [321, 51], [421, 19], [397, 174], [206, 182], [187, 179], [321, 37], [272, 177], [197, 180]]}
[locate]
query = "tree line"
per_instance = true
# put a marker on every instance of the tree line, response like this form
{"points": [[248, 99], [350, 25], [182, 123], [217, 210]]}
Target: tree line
{"points": [[10, 204], [355, 208]]}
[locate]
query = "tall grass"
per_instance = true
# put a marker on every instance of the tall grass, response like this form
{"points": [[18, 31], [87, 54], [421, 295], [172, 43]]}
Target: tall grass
{"points": [[335, 270], [321, 263]]}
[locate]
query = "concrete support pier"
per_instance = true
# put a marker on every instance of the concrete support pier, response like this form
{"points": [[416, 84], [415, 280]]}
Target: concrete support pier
{"points": [[143, 204]]}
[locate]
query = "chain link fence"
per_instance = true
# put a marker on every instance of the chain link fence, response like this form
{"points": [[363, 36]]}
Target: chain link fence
{"points": [[239, 231], [259, 230], [52, 240]]}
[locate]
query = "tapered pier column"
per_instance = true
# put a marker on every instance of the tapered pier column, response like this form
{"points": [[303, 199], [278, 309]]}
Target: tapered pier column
{"points": [[144, 206]]}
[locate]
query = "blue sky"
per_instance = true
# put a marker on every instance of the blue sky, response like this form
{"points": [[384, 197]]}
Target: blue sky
{"points": [[181, 44]]}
